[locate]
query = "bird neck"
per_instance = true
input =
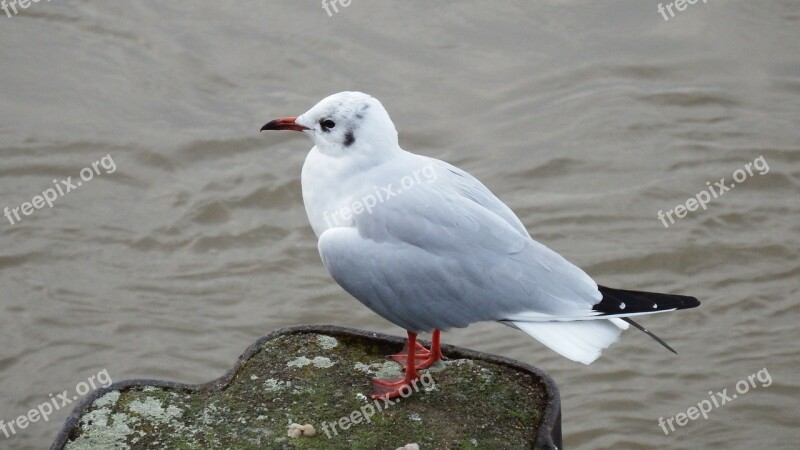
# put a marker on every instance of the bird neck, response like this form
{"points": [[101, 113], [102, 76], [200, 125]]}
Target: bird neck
{"points": [[332, 184]]}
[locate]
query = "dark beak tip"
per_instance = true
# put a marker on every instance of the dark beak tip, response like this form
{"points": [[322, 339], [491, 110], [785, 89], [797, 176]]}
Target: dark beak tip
{"points": [[286, 123], [272, 125]]}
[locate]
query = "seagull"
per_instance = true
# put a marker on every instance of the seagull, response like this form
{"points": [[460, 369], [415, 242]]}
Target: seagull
{"points": [[428, 247]]}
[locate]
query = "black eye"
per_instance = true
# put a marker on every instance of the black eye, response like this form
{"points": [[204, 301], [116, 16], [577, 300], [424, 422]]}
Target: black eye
{"points": [[327, 124]]}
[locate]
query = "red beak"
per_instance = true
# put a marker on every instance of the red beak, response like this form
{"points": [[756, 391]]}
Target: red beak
{"points": [[286, 123]]}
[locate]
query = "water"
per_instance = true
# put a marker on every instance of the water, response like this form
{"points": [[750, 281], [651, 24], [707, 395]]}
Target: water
{"points": [[587, 118]]}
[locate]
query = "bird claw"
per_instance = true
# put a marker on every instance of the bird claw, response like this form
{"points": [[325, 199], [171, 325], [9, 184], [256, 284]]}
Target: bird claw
{"points": [[423, 358], [419, 352]]}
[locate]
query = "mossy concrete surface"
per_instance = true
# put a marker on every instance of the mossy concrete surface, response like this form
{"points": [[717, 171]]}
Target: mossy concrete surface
{"points": [[320, 376]]}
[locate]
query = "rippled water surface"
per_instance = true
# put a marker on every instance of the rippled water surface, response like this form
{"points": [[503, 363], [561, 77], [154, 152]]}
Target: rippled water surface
{"points": [[587, 118]]}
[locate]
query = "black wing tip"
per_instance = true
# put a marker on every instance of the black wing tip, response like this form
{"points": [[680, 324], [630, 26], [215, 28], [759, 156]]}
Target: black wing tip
{"points": [[686, 302], [691, 302], [621, 301]]}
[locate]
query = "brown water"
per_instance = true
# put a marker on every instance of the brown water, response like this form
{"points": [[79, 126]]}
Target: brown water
{"points": [[585, 117]]}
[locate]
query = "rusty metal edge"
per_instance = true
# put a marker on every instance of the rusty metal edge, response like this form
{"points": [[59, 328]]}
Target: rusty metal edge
{"points": [[548, 436]]}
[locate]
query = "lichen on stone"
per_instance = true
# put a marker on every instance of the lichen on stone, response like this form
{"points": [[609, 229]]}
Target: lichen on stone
{"points": [[384, 369], [103, 430], [293, 379], [109, 399], [273, 385], [320, 362], [327, 342], [154, 411]]}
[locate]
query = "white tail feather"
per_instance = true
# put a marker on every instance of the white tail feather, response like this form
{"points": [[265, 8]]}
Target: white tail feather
{"points": [[620, 323], [582, 341]]}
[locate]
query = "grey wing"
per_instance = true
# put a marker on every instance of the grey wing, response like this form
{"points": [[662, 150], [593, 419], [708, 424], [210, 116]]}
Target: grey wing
{"points": [[435, 258], [471, 188]]}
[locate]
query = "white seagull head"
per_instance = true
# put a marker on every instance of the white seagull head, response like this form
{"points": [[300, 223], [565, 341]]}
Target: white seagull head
{"points": [[345, 124]]}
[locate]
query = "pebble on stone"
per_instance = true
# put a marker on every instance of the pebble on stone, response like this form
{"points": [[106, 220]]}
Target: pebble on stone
{"points": [[409, 447], [296, 430]]}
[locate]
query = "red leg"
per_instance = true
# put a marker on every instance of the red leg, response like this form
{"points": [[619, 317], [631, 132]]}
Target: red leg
{"points": [[391, 388], [436, 350], [420, 353], [423, 357]]}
